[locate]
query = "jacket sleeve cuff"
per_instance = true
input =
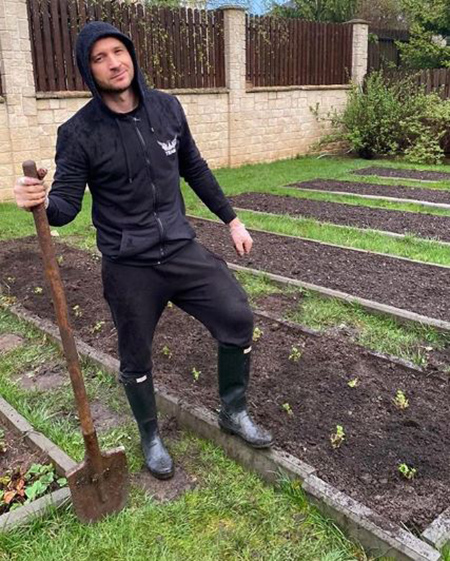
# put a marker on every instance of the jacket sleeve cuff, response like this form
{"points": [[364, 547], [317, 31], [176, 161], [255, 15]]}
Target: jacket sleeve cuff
{"points": [[226, 214]]}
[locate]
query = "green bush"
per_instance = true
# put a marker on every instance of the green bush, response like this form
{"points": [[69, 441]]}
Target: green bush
{"points": [[393, 117]]}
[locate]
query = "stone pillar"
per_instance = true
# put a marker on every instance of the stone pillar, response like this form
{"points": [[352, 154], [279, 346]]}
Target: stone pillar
{"points": [[19, 92], [360, 49], [235, 73]]}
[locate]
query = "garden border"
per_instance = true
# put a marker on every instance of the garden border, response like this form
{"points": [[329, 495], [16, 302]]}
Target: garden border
{"points": [[377, 197], [36, 440], [398, 313], [361, 523]]}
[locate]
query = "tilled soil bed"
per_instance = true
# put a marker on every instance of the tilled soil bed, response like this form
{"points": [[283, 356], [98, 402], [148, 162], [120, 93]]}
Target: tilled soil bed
{"points": [[404, 173], [302, 398], [417, 287], [441, 196], [420, 224]]}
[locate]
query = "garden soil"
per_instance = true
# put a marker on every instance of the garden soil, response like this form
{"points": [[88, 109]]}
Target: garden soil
{"points": [[378, 436], [420, 288], [405, 173], [419, 224], [441, 196]]}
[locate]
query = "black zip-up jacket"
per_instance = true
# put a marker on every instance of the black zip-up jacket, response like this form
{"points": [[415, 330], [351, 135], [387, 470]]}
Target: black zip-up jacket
{"points": [[132, 164]]}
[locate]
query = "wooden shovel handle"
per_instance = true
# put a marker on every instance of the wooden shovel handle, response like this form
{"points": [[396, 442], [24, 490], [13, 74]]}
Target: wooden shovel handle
{"points": [[59, 301]]}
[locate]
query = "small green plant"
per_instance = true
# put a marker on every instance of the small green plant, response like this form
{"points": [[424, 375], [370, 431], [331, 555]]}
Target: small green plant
{"points": [[288, 409], [400, 400], [97, 327], [166, 352], [196, 374], [169, 305], [78, 312], [38, 290], [3, 446], [337, 437], [7, 301], [406, 471], [295, 354], [257, 334], [353, 383]]}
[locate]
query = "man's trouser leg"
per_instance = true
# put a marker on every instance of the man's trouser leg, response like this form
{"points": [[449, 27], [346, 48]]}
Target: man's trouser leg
{"points": [[216, 299], [137, 298]]}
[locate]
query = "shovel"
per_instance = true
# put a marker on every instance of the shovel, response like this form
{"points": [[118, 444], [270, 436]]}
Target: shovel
{"points": [[99, 484]]}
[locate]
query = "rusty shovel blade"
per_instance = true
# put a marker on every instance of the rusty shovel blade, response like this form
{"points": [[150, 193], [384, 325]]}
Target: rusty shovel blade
{"points": [[94, 495]]}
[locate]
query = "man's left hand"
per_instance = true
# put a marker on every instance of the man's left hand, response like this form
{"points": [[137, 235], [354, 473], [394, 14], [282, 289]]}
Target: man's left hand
{"points": [[242, 240]]}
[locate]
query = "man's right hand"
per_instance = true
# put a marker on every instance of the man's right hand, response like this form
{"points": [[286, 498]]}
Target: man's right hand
{"points": [[30, 192]]}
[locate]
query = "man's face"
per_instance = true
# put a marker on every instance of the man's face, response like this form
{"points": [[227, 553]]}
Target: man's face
{"points": [[111, 65]]}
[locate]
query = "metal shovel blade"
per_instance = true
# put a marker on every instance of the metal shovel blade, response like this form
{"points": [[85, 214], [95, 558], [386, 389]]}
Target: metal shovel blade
{"points": [[96, 496]]}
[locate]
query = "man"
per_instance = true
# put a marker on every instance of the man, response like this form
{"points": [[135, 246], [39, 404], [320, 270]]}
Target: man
{"points": [[130, 145]]}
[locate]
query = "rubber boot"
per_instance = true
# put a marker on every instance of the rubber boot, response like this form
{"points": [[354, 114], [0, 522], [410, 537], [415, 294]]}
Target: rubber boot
{"points": [[141, 397], [234, 373]]}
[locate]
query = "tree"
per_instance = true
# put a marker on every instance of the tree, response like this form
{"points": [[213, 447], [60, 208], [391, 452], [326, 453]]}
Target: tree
{"points": [[337, 11], [382, 14], [430, 34]]}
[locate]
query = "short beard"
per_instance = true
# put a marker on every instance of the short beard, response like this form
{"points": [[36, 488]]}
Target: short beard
{"points": [[113, 90]]}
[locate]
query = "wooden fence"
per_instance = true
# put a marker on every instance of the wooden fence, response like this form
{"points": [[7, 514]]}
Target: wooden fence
{"points": [[431, 80], [181, 48], [290, 51], [383, 51]]}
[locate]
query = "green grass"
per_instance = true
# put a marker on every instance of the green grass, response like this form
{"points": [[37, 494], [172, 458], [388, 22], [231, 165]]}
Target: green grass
{"points": [[230, 514], [375, 332]]}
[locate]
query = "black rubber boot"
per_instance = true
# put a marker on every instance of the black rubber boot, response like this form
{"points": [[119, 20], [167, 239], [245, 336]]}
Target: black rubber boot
{"points": [[234, 373], [141, 397]]}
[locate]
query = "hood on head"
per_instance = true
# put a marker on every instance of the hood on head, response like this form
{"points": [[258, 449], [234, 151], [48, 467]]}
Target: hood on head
{"points": [[91, 33]]}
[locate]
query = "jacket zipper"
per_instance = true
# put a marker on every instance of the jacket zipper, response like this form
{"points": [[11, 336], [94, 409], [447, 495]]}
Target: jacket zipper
{"points": [[155, 196]]}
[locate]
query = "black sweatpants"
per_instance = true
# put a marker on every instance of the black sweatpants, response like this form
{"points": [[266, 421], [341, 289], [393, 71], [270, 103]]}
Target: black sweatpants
{"points": [[195, 280]]}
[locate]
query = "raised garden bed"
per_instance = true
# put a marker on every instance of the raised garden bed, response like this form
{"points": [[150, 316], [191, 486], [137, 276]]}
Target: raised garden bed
{"points": [[417, 287], [404, 173], [32, 471], [420, 224], [301, 398], [438, 196]]}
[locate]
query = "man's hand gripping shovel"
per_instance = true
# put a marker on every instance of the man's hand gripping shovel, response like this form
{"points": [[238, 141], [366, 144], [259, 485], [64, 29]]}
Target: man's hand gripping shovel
{"points": [[99, 484]]}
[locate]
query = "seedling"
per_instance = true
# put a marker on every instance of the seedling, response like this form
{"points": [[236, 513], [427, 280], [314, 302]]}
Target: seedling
{"points": [[3, 446], [257, 334], [78, 312], [166, 352], [406, 471], [287, 408], [196, 374], [353, 383], [98, 327], [38, 290], [169, 305], [338, 437], [400, 400], [295, 354]]}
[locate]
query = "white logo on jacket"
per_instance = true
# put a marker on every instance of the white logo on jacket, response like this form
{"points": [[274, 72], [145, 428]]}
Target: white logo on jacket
{"points": [[169, 147]]}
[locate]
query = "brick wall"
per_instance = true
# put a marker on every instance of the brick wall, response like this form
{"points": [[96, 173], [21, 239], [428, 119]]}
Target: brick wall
{"points": [[232, 126]]}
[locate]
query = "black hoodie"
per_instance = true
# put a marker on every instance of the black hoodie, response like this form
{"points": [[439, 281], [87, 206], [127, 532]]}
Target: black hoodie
{"points": [[132, 163]]}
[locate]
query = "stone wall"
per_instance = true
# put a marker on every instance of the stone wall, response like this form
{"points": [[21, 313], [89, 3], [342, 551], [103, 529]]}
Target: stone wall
{"points": [[232, 126]]}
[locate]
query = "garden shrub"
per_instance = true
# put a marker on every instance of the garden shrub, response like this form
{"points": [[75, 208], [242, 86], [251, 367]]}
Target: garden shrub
{"points": [[393, 117]]}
